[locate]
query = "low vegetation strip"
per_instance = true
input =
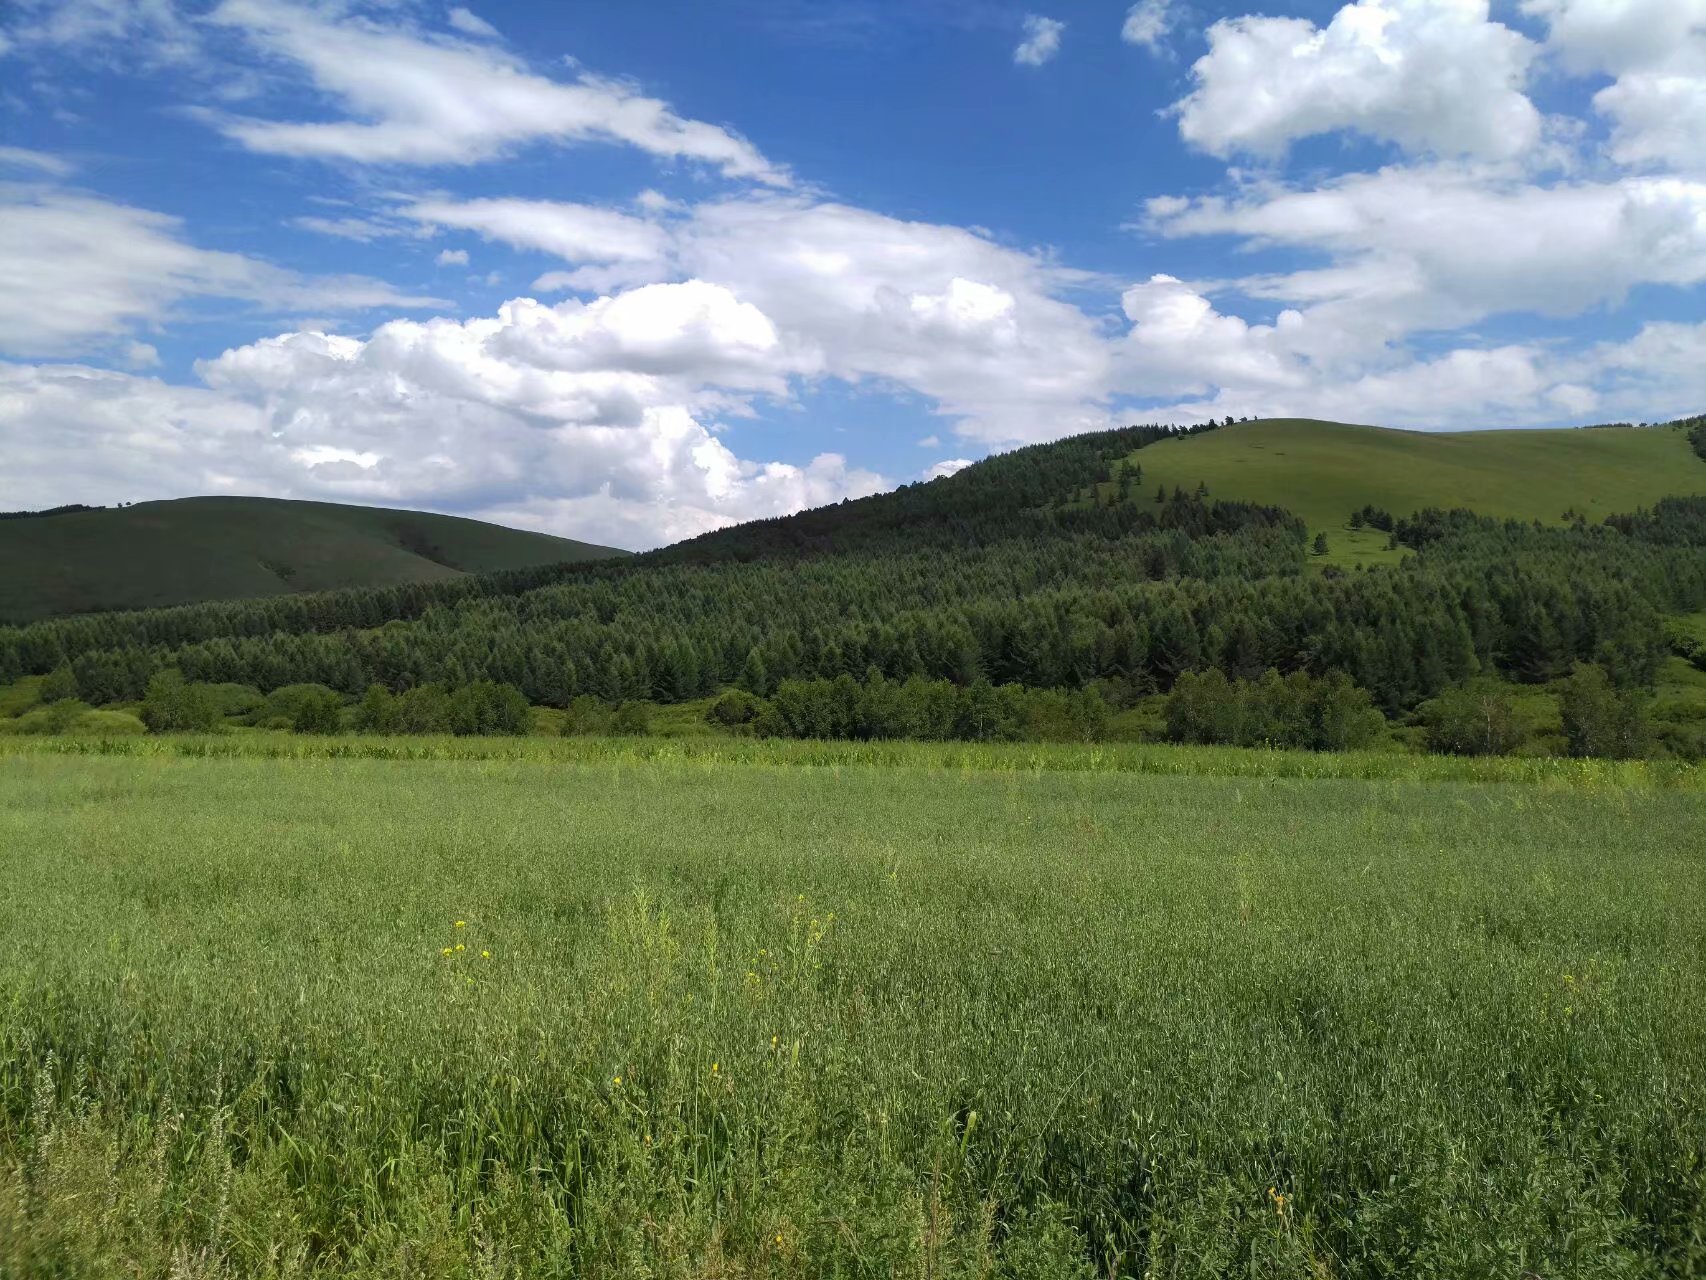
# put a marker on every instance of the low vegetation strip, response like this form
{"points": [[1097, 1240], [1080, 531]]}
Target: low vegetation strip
{"points": [[955, 757], [343, 1017]]}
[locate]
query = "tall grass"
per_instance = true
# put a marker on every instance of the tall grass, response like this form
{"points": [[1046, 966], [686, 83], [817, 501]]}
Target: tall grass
{"points": [[994, 757], [746, 1020]]}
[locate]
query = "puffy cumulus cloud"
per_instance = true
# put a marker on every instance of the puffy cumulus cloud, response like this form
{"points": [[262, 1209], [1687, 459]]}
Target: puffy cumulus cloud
{"points": [[424, 99], [1430, 75], [1656, 50], [1440, 247], [978, 327], [1041, 40], [452, 258], [71, 433], [1148, 23], [78, 272], [975, 326], [594, 419], [946, 467], [1179, 344]]}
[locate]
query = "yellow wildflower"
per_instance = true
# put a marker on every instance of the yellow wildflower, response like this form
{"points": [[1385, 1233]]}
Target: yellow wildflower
{"points": [[485, 955], [461, 924], [460, 947], [445, 952]]}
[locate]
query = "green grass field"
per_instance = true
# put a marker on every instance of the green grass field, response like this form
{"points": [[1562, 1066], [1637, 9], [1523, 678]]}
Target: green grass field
{"points": [[1325, 470], [192, 549], [758, 1016]]}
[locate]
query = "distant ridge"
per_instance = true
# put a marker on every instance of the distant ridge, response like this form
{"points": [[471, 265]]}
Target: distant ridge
{"points": [[189, 550]]}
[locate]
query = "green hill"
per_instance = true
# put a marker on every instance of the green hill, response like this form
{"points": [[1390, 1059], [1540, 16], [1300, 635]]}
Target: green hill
{"points": [[196, 549], [1323, 471]]}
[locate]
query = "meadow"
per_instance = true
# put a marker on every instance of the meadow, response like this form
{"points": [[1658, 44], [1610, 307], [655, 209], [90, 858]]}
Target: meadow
{"points": [[722, 1008], [1323, 471]]}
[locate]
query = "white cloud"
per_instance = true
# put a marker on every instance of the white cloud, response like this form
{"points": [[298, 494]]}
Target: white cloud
{"points": [[1444, 246], [140, 355], [1041, 40], [418, 99], [472, 24], [1430, 75], [40, 161], [104, 31], [1656, 50], [574, 232], [974, 326], [594, 420], [77, 272], [452, 258], [1148, 23], [590, 418], [365, 230], [945, 468]]}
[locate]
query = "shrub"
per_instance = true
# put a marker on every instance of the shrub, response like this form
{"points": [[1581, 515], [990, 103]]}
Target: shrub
{"points": [[1325, 713], [1477, 718], [59, 684], [173, 705], [423, 709], [487, 707], [377, 710], [736, 709], [632, 719], [586, 715], [320, 712], [1599, 720]]}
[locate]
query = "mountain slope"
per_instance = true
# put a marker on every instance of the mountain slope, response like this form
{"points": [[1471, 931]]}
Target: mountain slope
{"points": [[1322, 471], [197, 549]]}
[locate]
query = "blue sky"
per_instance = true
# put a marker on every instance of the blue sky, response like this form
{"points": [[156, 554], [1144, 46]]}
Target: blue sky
{"points": [[630, 271]]}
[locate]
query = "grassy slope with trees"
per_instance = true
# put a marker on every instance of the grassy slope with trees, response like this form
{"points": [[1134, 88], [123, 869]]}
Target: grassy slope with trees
{"points": [[1323, 471], [196, 549], [995, 604]]}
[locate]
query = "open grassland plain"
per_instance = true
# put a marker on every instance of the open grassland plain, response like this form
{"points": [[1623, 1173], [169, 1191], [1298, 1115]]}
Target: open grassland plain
{"points": [[629, 1011], [1323, 471]]}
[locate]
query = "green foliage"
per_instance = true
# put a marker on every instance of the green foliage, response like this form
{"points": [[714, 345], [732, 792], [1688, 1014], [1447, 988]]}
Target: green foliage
{"points": [[631, 719], [1477, 718], [1319, 546], [62, 716], [1599, 720], [487, 707], [197, 549], [1696, 428], [866, 1022], [377, 711], [173, 705], [59, 684], [318, 712], [586, 715], [1295, 711], [305, 708], [1002, 575]]}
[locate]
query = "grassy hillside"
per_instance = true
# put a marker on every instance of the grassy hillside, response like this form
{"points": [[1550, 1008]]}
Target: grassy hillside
{"points": [[1323, 471], [194, 549]]}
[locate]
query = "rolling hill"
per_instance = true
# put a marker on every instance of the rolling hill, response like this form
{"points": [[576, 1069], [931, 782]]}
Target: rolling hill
{"points": [[196, 549], [1322, 471]]}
